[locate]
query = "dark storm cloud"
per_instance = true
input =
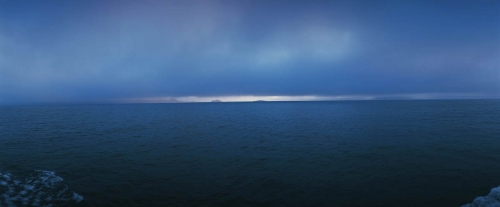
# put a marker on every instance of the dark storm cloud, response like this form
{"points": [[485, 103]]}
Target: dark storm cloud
{"points": [[52, 51]]}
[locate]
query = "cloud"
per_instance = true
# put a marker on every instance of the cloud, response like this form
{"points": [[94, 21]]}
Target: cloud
{"points": [[132, 50]]}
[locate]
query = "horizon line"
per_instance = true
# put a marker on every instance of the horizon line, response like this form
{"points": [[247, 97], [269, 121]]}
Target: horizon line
{"points": [[221, 102]]}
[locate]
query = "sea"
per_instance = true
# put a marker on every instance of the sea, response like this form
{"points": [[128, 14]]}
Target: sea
{"points": [[328, 153]]}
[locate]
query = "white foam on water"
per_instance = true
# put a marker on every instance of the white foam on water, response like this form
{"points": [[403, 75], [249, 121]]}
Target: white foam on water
{"points": [[491, 200], [40, 188]]}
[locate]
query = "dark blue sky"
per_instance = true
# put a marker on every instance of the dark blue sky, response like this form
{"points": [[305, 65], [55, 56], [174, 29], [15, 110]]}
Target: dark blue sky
{"points": [[99, 51]]}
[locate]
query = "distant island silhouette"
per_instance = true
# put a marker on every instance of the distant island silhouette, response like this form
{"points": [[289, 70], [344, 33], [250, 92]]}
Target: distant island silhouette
{"points": [[260, 101], [216, 101]]}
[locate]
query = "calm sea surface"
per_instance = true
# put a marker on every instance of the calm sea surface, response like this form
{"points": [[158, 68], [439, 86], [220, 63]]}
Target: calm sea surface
{"points": [[352, 153]]}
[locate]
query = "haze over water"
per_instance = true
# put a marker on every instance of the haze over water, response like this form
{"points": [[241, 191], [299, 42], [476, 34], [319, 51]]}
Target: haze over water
{"points": [[352, 153], [107, 103]]}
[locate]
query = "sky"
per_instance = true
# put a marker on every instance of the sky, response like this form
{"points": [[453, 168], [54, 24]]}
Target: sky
{"points": [[200, 50]]}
